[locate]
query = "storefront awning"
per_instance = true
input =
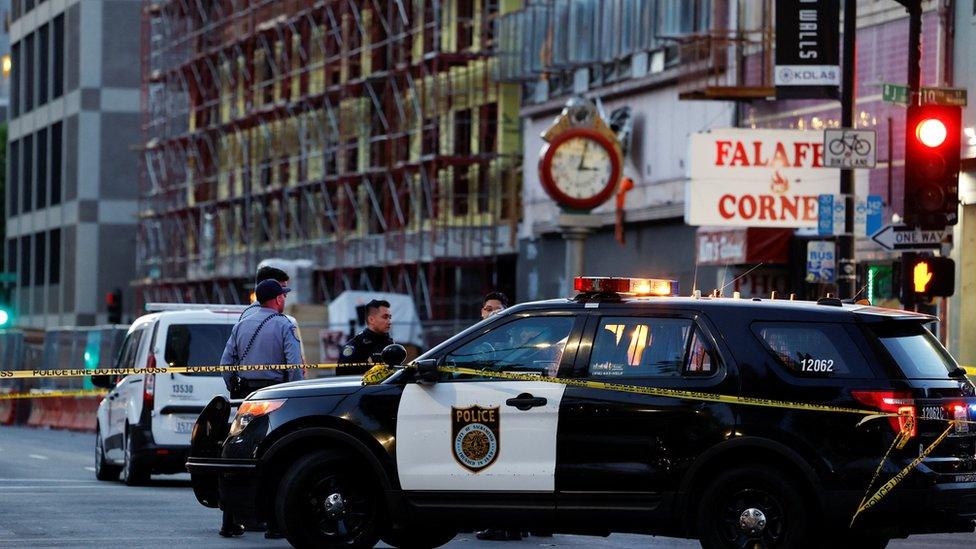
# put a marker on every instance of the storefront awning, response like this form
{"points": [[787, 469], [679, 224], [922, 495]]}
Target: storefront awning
{"points": [[746, 245]]}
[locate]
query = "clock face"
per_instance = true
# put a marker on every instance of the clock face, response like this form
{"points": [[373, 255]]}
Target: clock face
{"points": [[580, 168]]}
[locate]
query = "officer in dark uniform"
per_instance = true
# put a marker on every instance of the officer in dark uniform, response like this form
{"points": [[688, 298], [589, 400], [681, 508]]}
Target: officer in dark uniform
{"points": [[264, 336], [368, 345]]}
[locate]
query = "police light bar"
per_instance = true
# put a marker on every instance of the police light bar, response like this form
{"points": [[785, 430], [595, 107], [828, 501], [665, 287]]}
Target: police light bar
{"points": [[635, 286]]}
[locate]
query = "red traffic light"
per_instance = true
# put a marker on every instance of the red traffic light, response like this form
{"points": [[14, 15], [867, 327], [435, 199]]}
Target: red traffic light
{"points": [[931, 132]]}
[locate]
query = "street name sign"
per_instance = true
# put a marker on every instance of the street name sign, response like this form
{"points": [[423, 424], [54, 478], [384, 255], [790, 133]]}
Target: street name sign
{"points": [[897, 93], [905, 239], [849, 148]]}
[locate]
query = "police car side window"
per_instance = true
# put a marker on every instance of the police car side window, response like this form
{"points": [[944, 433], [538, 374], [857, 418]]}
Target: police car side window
{"points": [[813, 349], [625, 347], [533, 345]]}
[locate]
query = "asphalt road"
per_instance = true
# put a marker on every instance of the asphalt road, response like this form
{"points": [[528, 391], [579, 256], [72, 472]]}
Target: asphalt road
{"points": [[49, 498]]}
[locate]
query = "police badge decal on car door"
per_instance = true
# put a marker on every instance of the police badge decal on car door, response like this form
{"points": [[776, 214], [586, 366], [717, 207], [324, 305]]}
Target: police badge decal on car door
{"points": [[476, 436]]}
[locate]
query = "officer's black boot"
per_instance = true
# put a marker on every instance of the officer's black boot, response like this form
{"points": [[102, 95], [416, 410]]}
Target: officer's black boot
{"points": [[229, 528]]}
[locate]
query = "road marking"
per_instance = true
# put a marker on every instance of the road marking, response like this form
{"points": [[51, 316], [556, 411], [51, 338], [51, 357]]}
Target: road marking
{"points": [[92, 469], [44, 480], [36, 456]]}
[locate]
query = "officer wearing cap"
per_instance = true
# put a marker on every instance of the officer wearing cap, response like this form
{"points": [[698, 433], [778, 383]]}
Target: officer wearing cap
{"points": [[265, 336], [368, 345], [272, 273]]}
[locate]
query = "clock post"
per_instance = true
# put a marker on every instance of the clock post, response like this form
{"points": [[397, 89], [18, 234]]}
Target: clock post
{"points": [[579, 167]]}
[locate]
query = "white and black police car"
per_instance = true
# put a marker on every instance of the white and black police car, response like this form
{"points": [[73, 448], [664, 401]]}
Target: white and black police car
{"points": [[425, 453]]}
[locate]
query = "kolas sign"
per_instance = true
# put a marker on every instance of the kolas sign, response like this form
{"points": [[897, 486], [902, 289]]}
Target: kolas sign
{"points": [[807, 49], [757, 178]]}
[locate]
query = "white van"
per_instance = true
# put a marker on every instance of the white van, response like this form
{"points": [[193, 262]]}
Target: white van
{"points": [[144, 422]]}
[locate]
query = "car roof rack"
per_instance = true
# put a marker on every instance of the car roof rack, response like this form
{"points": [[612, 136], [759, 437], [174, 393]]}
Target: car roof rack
{"points": [[212, 307]]}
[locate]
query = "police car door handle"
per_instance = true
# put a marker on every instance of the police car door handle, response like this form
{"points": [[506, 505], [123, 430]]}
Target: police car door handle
{"points": [[526, 401]]}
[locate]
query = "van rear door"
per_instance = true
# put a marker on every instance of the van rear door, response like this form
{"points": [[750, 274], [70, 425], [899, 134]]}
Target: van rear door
{"points": [[189, 341]]}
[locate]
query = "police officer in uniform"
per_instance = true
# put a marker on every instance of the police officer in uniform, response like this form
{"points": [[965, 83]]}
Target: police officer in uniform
{"points": [[265, 336], [368, 345]]}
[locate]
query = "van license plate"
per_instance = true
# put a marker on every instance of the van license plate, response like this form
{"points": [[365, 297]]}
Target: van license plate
{"points": [[184, 426]]}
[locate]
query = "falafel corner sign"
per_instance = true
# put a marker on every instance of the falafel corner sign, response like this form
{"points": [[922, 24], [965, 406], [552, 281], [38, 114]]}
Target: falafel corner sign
{"points": [[757, 178]]}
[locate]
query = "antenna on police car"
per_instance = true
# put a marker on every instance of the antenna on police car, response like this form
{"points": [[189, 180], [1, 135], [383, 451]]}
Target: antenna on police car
{"points": [[742, 275]]}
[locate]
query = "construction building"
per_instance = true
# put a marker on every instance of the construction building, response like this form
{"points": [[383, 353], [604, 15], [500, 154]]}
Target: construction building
{"points": [[368, 136]]}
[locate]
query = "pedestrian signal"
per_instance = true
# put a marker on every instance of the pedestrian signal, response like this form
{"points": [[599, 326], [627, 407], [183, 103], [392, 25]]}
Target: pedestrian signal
{"points": [[928, 277]]}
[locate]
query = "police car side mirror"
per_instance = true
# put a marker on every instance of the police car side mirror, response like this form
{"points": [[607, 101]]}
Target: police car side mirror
{"points": [[427, 370], [394, 354]]}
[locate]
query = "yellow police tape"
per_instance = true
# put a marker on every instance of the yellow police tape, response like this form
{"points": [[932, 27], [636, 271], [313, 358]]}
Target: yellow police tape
{"points": [[49, 394], [83, 372]]}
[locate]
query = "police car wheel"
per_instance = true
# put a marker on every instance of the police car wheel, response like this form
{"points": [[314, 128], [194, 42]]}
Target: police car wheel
{"points": [[103, 469], [133, 471], [414, 538], [753, 507], [325, 501]]}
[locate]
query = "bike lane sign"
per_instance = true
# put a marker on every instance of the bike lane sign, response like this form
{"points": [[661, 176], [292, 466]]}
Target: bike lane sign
{"points": [[847, 148]]}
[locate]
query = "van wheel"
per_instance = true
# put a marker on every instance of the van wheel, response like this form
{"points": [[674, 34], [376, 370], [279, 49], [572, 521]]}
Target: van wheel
{"points": [[326, 501], [134, 472], [753, 507], [103, 469]]}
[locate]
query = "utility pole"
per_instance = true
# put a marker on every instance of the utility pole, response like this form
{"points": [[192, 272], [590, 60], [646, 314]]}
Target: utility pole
{"points": [[847, 263], [914, 8]]}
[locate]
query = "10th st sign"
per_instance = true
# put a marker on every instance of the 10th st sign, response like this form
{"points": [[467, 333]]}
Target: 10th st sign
{"points": [[906, 239]]}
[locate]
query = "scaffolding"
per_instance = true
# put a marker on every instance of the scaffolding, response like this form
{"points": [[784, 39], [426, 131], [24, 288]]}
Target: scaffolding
{"points": [[366, 135]]}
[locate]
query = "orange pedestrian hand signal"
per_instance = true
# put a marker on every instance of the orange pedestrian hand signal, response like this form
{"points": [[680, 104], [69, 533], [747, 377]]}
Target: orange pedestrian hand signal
{"points": [[922, 276]]}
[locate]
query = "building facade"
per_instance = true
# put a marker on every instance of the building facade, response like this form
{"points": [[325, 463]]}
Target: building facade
{"points": [[368, 138], [72, 174], [617, 54], [962, 312]]}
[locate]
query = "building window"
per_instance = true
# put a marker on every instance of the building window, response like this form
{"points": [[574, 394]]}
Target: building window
{"points": [[54, 265], [29, 72], [43, 65], [56, 164], [25, 263], [15, 73], [42, 168], [27, 174], [13, 179], [462, 132], [40, 254], [57, 66], [11, 266]]}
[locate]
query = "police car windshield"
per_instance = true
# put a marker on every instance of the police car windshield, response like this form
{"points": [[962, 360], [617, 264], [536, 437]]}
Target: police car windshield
{"points": [[917, 352], [196, 344]]}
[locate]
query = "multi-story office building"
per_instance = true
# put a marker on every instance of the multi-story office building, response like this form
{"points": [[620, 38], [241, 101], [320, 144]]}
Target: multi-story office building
{"points": [[72, 176]]}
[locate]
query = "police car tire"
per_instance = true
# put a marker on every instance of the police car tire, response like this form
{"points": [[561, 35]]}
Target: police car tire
{"points": [[292, 501], [413, 538], [103, 469], [761, 485], [134, 472]]}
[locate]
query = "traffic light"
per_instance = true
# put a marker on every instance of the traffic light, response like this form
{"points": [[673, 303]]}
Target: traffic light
{"points": [[923, 278], [113, 304], [6, 317], [932, 165]]}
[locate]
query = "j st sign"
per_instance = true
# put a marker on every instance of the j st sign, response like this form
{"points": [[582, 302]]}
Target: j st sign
{"points": [[757, 178]]}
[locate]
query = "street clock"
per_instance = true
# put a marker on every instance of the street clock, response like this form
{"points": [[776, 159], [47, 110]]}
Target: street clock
{"points": [[581, 164]]}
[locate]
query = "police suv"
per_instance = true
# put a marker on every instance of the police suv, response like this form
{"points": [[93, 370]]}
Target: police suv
{"points": [[144, 422], [426, 452]]}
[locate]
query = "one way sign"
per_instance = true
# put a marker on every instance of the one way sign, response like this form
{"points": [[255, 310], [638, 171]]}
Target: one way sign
{"points": [[903, 238]]}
